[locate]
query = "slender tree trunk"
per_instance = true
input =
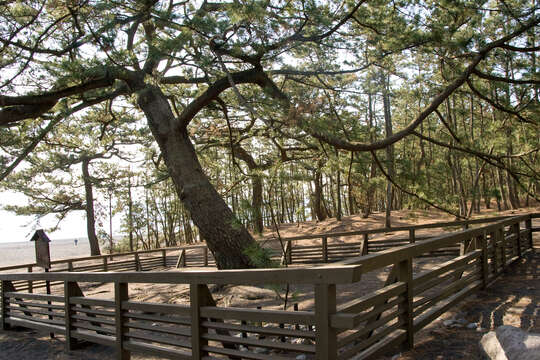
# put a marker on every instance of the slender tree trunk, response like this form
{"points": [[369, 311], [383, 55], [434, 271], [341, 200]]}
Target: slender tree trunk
{"points": [[130, 214], [90, 218], [370, 191], [317, 196], [257, 203], [339, 208], [226, 238], [389, 155], [501, 189], [350, 197]]}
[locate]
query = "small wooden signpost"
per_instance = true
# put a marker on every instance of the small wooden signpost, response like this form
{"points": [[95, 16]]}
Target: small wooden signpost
{"points": [[43, 258], [43, 254]]}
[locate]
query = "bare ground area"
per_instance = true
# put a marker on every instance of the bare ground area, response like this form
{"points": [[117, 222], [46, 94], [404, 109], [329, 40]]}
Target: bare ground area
{"points": [[513, 299]]}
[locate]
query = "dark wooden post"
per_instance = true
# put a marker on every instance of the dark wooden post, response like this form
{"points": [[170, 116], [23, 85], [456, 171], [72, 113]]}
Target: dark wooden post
{"points": [[6, 285], [288, 252], [205, 255], [516, 231], [412, 237], [71, 289], [482, 244], [105, 265], [528, 226], [502, 239], [137, 262], [164, 254], [197, 299], [364, 250], [120, 294], [70, 266], [405, 274], [493, 237], [326, 336], [325, 249], [30, 282], [181, 259]]}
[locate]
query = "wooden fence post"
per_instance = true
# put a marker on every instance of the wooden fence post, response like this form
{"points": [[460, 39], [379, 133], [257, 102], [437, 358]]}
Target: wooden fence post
{"points": [[70, 289], [364, 250], [516, 231], [6, 285], [181, 259], [325, 249], [405, 274], [120, 294], [502, 239], [105, 265], [412, 237], [464, 246], [528, 226], [30, 282], [198, 298], [137, 262], [485, 265], [289, 252], [495, 260], [205, 256], [326, 336], [164, 254], [70, 266]]}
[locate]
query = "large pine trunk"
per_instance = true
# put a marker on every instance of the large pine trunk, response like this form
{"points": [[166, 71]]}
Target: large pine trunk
{"points": [[225, 236]]}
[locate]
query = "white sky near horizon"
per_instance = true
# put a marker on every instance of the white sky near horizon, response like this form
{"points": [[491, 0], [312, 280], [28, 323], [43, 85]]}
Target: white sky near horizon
{"points": [[16, 228]]}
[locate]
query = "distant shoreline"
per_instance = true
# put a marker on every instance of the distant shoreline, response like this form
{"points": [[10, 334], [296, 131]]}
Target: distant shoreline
{"points": [[23, 252]]}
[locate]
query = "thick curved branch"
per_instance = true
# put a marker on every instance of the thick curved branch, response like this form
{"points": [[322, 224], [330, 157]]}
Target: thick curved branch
{"points": [[251, 76], [520, 49], [504, 79], [19, 108], [51, 125]]}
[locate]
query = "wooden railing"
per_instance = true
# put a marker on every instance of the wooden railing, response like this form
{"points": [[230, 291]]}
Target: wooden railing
{"points": [[322, 248], [333, 328], [143, 260], [336, 246]]}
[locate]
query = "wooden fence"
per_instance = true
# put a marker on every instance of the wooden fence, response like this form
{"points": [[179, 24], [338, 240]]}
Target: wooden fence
{"points": [[305, 249], [332, 329]]}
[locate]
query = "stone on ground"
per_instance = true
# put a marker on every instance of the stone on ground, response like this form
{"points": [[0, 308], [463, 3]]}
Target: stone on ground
{"points": [[511, 343]]}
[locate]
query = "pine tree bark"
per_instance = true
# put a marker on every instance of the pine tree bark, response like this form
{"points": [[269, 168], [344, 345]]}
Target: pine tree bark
{"points": [[225, 236]]}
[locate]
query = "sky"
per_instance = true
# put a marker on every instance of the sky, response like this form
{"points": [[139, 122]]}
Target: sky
{"points": [[15, 228]]}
